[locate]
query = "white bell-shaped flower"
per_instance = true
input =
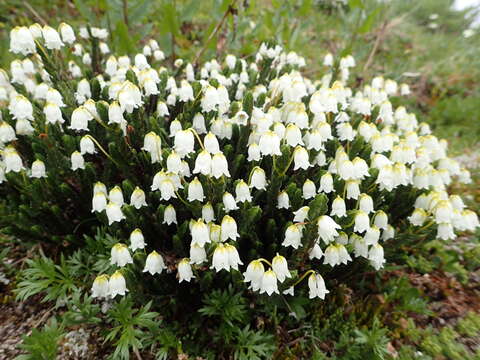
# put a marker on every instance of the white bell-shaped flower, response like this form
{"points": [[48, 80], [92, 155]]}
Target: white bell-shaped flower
{"points": [[199, 232], [137, 241], [269, 283], [38, 169], [77, 161], [170, 215], [117, 285], [258, 179], [114, 213], [316, 286], [327, 228], [185, 272], [280, 267], [197, 254], [195, 190], [154, 263], [100, 287], [120, 255], [254, 274], [242, 192]]}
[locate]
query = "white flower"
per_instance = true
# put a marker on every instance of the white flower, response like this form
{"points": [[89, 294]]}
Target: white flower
{"points": [[11, 159], [332, 256], [338, 207], [80, 118], [280, 267], [99, 202], [184, 142], [199, 232], [316, 286], [114, 213], [242, 192], [283, 201], [185, 271], [52, 38], [219, 166], [372, 235], [229, 228], [38, 169], [197, 254], [129, 97], [301, 214], [388, 233], [353, 189], [21, 41], [258, 178], [154, 263], [315, 252], [269, 144], [376, 257], [210, 99], [120, 255], [328, 60], [7, 133], [117, 285], [309, 190], [53, 96], [195, 190], [327, 228], [208, 214], [137, 241], [203, 163], [418, 217], [269, 283], [115, 114], [167, 189], [152, 143], [445, 231], [229, 202], [362, 222], [87, 146], [300, 157], [211, 144], [137, 199], [100, 287], [293, 236], [253, 152], [53, 114], [254, 274], [77, 161], [169, 215], [326, 183], [293, 135], [380, 220], [116, 196], [21, 108], [365, 203]]}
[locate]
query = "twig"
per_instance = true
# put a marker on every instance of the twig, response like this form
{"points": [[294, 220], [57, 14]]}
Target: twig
{"points": [[378, 40], [125, 12], [42, 319], [137, 354], [34, 13], [230, 10]]}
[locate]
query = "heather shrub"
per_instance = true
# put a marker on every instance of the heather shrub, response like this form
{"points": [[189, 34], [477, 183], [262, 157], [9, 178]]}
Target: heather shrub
{"points": [[180, 178]]}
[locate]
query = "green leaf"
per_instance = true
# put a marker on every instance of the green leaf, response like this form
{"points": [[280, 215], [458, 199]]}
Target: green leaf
{"points": [[368, 22]]}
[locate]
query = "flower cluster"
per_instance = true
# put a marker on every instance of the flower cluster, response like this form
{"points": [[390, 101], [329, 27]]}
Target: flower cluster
{"points": [[219, 155]]}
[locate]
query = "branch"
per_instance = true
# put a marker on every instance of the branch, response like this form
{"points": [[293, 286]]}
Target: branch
{"points": [[230, 10]]}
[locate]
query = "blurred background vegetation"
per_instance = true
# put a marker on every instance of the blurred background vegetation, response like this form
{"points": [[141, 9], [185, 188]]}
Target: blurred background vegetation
{"points": [[421, 42], [424, 43]]}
